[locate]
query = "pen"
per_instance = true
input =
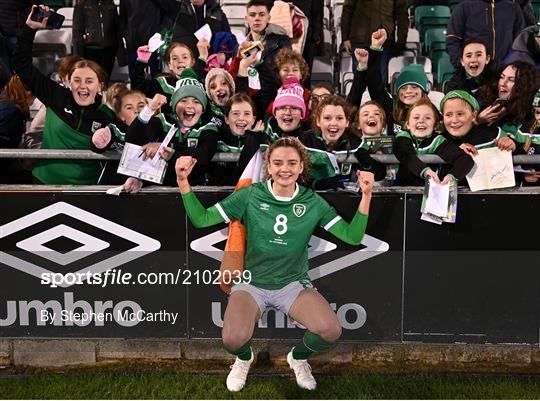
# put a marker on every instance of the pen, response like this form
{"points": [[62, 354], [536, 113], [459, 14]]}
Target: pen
{"points": [[142, 151]]}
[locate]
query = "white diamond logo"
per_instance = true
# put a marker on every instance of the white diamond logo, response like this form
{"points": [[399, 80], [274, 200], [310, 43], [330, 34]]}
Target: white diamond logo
{"points": [[317, 246], [90, 245]]}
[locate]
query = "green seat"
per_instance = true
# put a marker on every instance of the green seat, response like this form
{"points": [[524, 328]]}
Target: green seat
{"points": [[536, 8], [430, 16], [435, 39], [453, 3], [55, 3], [443, 66]]}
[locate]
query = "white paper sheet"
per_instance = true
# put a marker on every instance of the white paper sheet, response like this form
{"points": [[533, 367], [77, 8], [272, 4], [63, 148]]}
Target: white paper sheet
{"points": [[204, 32], [132, 165], [437, 200], [155, 42], [493, 169], [163, 145]]}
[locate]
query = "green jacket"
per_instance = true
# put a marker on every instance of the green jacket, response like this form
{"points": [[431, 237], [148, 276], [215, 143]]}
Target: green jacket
{"points": [[360, 18]]}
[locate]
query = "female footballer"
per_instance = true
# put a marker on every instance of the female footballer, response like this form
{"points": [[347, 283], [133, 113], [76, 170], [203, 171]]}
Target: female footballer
{"points": [[279, 216]]}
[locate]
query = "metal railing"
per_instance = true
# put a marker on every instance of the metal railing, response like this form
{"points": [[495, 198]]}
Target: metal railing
{"points": [[218, 157]]}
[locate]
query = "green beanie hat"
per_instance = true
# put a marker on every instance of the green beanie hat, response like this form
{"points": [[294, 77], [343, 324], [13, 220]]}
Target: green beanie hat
{"points": [[413, 74], [464, 95], [536, 100], [188, 86]]}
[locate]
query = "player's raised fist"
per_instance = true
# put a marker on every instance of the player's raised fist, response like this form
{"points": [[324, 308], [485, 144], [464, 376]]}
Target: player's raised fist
{"points": [[183, 167], [365, 180]]}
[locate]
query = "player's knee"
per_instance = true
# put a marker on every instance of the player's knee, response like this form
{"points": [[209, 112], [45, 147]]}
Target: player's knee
{"points": [[234, 339], [330, 331]]}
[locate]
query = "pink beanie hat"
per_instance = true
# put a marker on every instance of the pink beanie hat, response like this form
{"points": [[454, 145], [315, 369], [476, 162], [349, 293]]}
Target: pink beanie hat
{"points": [[291, 94]]}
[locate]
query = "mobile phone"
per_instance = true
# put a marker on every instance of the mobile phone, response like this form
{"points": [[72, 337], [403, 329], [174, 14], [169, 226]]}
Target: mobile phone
{"points": [[501, 102], [254, 48], [54, 20]]}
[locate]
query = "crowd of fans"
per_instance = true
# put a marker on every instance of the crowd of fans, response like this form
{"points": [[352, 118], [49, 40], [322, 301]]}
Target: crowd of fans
{"points": [[222, 99]]}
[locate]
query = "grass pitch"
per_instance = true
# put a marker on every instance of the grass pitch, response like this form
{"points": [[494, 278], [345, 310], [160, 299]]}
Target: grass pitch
{"points": [[113, 384]]}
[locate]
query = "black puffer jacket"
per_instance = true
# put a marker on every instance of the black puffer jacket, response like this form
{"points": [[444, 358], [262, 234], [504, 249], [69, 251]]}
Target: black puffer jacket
{"points": [[95, 23], [139, 20], [495, 22], [13, 15], [188, 23]]}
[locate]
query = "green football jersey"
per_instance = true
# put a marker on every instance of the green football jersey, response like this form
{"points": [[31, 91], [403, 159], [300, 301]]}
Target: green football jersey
{"points": [[277, 230]]}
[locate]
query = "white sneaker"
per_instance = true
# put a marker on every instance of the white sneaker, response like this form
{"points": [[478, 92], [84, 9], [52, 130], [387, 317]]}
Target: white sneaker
{"points": [[302, 370], [236, 379]]}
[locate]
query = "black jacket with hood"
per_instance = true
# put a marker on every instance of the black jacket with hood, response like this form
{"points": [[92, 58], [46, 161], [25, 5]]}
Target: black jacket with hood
{"points": [[95, 23]]}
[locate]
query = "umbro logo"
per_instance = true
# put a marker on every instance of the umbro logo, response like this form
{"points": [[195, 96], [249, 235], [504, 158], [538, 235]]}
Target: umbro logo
{"points": [[86, 245], [317, 247], [264, 206]]}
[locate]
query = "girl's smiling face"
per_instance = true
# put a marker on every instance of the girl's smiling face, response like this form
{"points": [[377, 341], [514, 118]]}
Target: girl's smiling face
{"points": [[84, 85], [189, 111], [409, 94], [332, 121], [506, 82], [288, 117], [370, 120], [240, 118], [219, 90], [458, 117], [421, 122], [179, 59], [474, 59]]}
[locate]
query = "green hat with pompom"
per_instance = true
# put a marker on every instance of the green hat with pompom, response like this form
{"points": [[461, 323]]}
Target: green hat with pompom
{"points": [[188, 86]]}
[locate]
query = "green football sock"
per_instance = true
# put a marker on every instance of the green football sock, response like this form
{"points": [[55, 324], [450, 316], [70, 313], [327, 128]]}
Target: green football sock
{"points": [[310, 343], [243, 353]]}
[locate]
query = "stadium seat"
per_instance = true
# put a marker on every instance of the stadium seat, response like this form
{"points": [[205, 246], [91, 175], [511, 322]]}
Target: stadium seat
{"points": [[322, 71], [536, 8], [435, 39], [119, 74], [67, 12], [397, 63], [336, 17], [55, 3], [49, 47], [430, 17], [328, 43], [52, 41], [235, 13], [445, 69], [346, 75], [413, 41], [436, 97]]}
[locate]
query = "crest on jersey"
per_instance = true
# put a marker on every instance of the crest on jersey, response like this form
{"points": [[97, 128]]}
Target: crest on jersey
{"points": [[299, 210], [95, 126]]}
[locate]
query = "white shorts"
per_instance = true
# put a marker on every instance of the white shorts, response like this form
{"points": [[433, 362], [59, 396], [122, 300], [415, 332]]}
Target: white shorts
{"points": [[281, 299]]}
